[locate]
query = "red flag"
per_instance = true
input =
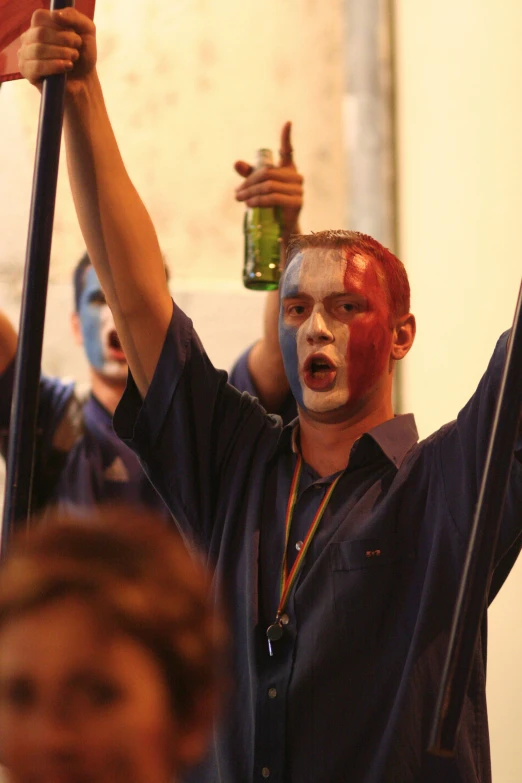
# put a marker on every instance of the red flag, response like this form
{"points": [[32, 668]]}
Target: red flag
{"points": [[15, 19]]}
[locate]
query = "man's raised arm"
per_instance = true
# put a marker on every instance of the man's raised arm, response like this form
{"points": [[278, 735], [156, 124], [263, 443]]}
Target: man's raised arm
{"points": [[116, 226]]}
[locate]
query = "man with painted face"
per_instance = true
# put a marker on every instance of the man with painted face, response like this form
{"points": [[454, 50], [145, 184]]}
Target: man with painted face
{"points": [[338, 542], [79, 461]]}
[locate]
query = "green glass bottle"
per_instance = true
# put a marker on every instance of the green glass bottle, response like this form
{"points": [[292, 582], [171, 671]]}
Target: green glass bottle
{"points": [[262, 229]]}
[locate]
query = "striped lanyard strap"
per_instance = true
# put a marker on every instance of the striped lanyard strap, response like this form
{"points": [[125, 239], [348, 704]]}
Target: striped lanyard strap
{"points": [[288, 579]]}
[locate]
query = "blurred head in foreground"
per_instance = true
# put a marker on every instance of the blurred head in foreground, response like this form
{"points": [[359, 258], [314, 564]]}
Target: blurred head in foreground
{"points": [[110, 655]]}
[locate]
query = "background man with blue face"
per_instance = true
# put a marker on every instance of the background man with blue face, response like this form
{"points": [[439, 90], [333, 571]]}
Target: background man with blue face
{"points": [[337, 541], [94, 327], [79, 461]]}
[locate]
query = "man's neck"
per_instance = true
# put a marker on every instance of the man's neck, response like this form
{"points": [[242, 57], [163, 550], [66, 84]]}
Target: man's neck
{"points": [[326, 445], [108, 393]]}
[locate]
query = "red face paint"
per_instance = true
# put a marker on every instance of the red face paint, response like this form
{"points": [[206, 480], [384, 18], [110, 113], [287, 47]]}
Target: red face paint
{"points": [[370, 340]]}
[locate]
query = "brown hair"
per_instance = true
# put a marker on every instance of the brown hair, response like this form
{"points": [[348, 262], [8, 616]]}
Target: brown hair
{"points": [[354, 243], [140, 578]]}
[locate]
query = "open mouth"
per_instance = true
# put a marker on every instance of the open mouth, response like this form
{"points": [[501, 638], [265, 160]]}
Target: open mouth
{"points": [[319, 372], [115, 349]]}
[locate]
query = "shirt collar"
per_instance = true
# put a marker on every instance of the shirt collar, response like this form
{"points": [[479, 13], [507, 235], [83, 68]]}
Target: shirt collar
{"points": [[394, 437]]}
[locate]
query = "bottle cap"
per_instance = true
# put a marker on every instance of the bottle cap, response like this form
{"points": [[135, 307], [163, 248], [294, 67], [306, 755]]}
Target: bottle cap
{"points": [[264, 157]]}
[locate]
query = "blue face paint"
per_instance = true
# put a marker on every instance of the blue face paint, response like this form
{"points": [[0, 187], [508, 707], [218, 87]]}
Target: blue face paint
{"points": [[89, 311], [288, 334]]}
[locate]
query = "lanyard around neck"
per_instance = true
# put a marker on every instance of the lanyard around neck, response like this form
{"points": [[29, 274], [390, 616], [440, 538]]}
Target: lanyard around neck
{"points": [[288, 579]]}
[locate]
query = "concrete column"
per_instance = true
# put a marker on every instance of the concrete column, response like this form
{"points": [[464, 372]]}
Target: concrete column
{"points": [[368, 120]]}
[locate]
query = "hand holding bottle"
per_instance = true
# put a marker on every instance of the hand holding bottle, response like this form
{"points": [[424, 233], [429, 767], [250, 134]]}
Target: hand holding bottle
{"points": [[275, 186]]}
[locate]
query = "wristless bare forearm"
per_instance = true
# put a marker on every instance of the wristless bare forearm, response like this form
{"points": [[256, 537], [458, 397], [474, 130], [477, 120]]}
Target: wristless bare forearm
{"points": [[115, 224], [117, 229]]}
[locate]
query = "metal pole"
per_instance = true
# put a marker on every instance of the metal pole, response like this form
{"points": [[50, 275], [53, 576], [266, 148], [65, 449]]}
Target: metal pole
{"points": [[476, 577], [24, 408]]}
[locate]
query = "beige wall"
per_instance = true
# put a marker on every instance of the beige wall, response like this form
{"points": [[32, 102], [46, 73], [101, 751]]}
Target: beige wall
{"points": [[460, 169], [192, 86]]}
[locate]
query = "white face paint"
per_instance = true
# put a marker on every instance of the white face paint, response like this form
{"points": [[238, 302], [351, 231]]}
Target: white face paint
{"points": [[114, 363], [322, 335], [311, 288]]}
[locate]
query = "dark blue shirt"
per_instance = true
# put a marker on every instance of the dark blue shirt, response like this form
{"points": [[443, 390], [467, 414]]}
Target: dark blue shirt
{"points": [[349, 693], [240, 377], [79, 460]]}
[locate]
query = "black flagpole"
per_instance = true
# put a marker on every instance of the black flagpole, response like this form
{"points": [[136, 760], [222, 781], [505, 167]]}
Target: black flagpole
{"points": [[20, 455], [476, 577]]}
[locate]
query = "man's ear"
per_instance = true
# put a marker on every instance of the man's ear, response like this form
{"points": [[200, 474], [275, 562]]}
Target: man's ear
{"points": [[76, 328], [403, 336]]}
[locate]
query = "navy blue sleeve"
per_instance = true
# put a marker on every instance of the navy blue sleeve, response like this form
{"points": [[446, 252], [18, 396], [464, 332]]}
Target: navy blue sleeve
{"points": [[241, 378], [463, 453], [52, 402], [196, 435]]}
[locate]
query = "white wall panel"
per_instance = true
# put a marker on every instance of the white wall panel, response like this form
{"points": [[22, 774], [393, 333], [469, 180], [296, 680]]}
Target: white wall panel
{"points": [[460, 176]]}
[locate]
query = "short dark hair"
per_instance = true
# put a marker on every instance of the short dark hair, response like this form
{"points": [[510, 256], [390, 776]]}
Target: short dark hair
{"points": [[79, 278], [354, 242], [138, 576]]}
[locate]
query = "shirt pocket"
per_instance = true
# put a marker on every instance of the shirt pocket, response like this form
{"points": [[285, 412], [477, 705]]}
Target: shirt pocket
{"points": [[366, 577]]}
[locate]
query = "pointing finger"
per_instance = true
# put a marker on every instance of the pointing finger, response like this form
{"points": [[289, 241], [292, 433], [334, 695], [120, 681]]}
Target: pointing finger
{"points": [[285, 153]]}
